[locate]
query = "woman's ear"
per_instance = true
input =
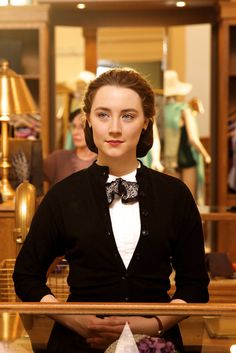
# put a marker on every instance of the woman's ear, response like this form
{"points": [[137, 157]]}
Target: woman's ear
{"points": [[146, 122]]}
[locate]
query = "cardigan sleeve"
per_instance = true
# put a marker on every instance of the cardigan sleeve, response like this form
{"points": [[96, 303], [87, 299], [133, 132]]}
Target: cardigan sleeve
{"points": [[42, 245], [188, 260]]}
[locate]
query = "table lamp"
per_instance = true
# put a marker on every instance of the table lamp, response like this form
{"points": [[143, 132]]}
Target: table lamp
{"points": [[15, 99]]}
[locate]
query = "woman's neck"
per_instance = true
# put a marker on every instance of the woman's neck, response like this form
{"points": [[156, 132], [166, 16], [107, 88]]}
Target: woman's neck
{"points": [[118, 167], [84, 153]]}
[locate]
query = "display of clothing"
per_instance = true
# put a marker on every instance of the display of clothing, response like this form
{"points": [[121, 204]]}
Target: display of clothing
{"points": [[147, 160], [77, 224], [187, 155], [178, 152], [62, 163], [172, 113]]}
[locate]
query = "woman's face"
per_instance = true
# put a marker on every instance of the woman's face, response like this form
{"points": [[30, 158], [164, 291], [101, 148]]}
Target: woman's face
{"points": [[77, 128], [117, 120]]}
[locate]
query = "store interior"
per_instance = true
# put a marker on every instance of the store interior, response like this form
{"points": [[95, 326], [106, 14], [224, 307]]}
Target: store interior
{"points": [[53, 49]]}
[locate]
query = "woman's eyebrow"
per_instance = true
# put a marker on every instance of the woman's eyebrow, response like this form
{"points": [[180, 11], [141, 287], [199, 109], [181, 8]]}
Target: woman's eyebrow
{"points": [[123, 110], [102, 108], [129, 110]]}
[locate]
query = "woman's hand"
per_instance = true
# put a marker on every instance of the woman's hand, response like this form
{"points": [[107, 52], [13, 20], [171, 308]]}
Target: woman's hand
{"points": [[207, 159], [79, 323], [101, 334], [142, 325]]}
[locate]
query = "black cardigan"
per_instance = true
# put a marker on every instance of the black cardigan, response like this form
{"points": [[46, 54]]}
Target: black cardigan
{"points": [[73, 220]]}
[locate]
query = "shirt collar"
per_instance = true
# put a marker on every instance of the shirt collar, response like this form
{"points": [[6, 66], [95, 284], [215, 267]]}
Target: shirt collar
{"points": [[128, 177]]}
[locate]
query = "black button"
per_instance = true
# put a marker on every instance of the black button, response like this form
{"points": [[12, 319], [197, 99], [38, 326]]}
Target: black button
{"points": [[115, 254], [142, 193], [126, 299], [145, 232], [137, 256], [125, 276], [109, 233], [144, 213]]}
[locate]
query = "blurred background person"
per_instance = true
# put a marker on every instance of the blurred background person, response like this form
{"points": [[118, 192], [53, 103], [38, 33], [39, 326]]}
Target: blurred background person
{"points": [[62, 163]]}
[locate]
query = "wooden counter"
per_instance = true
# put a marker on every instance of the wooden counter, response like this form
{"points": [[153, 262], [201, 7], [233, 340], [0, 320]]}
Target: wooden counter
{"points": [[7, 222], [222, 290], [216, 213], [215, 220]]}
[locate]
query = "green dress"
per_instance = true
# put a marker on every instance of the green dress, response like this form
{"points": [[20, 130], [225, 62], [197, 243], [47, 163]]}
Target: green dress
{"points": [[172, 133], [178, 152]]}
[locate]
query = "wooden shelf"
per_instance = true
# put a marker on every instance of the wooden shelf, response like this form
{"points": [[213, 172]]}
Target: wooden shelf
{"points": [[31, 77], [226, 100], [25, 34]]}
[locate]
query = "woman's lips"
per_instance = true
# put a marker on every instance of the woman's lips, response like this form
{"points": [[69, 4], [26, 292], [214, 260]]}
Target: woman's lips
{"points": [[114, 142]]}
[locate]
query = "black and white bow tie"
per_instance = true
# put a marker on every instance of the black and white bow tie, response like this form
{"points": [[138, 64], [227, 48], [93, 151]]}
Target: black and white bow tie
{"points": [[127, 190]]}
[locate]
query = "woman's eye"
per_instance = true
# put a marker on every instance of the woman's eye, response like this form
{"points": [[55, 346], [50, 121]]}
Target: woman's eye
{"points": [[103, 115], [127, 117]]}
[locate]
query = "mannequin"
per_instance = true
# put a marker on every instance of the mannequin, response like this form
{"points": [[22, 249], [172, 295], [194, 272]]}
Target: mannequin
{"points": [[183, 149], [156, 150], [153, 157]]}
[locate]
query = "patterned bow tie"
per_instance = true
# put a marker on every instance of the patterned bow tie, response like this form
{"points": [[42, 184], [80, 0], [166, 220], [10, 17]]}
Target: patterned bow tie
{"points": [[127, 190]]}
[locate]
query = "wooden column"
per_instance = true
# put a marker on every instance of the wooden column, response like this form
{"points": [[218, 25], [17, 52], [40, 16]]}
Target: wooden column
{"points": [[90, 36]]}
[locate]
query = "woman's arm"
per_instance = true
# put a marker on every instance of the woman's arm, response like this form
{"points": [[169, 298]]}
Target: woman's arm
{"points": [[101, 332], [42, 245]]}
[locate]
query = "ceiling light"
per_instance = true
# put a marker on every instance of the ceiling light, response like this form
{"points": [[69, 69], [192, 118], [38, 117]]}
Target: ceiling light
{"points": [[180, 3], [81, 6]]}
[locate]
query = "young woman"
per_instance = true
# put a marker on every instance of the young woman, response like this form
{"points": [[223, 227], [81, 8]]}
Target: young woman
{"points": [[62, 163], [122, 226]]}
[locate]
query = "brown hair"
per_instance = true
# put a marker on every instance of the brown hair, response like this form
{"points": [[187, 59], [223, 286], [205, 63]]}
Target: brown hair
{"points": [[77, 112], [126, 78]]}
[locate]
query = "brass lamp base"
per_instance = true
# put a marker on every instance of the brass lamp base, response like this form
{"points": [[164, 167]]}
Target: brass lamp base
{"points": [[6, 190], [5, 187]]}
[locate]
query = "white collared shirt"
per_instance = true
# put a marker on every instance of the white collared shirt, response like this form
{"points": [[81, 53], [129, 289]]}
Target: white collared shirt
{"points": [[126, 224]]}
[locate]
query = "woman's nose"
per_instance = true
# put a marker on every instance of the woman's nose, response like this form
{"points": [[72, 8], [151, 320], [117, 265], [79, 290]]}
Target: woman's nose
{"points": [[115, 126]]}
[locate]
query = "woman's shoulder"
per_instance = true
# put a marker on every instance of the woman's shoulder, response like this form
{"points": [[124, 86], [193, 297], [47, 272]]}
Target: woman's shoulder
{"points": [[58, 156], [170, 191], [73, 179], [61, 153], [167, 182], [68, 187]]}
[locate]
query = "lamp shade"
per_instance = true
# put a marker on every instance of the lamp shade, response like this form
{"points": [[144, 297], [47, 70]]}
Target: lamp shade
{"points": [[15, 97]]}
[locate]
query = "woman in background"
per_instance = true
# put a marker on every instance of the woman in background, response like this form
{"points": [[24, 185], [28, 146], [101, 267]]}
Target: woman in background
{"points": [[62, 163]]}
